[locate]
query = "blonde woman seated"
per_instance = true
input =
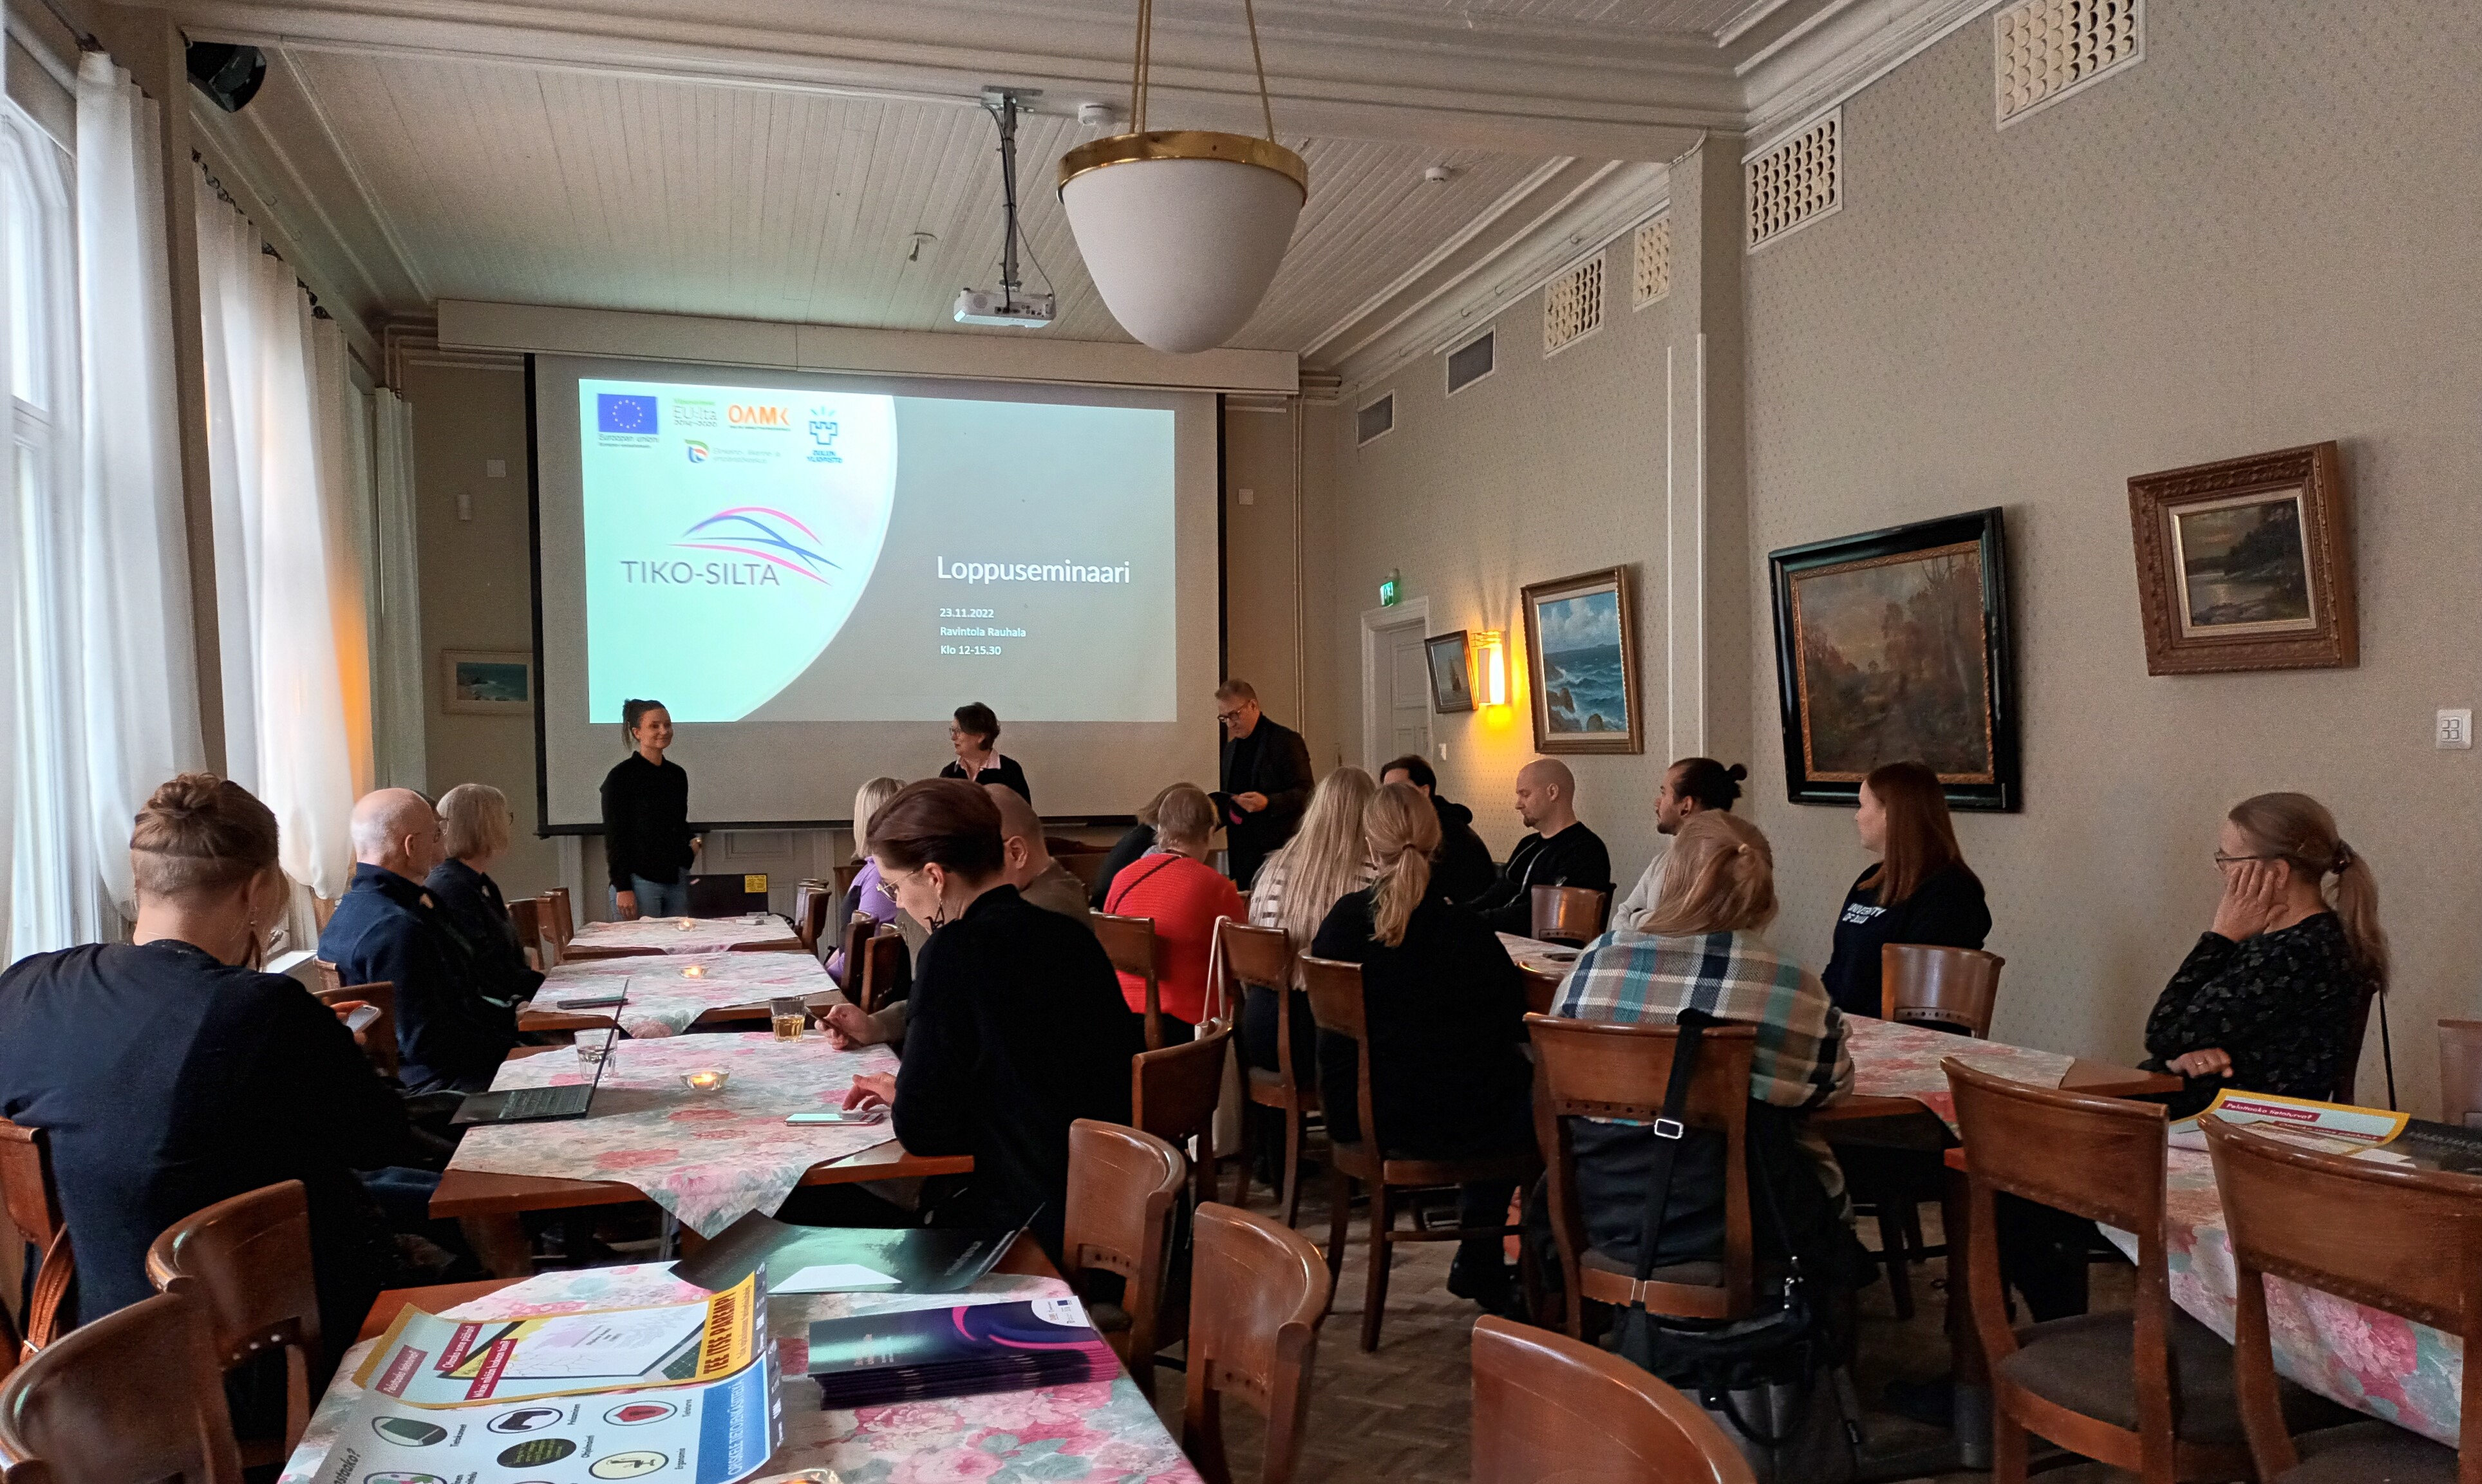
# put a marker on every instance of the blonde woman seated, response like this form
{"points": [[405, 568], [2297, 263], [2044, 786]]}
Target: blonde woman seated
{"points": [[1326, 861], [1701, 948]]}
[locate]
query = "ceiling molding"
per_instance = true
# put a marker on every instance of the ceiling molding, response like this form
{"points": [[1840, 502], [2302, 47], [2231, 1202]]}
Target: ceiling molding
{"points": [[1837, 53], [1585, 218]]}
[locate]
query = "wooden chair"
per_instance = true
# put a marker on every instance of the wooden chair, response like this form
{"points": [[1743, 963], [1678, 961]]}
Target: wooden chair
{"points": [[813, 912], [1257, 1294], [873, 968], [2347, 1070], [329, 977], [1929, 984], [1954, 990], [1087, 865], [1551, 1410], [1173, 1094], [136, 1394], [559, 925], [1601, 1070], [1336, 1005], [246, 1260], [1130, 943], [843, 878], [2405, 1241], [2459, 1072], [379, 1037], [1260, 960], [1570, 915], [32, 1194], [526, 914], [2148, 1390], [1123, 1194], [1541, 990]]}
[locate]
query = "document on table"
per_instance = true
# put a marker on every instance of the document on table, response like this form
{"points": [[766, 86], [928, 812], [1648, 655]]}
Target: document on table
{"points": [[2338, 1128]]}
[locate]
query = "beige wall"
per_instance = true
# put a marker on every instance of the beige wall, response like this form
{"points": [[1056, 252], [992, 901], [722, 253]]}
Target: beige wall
{"points": [[477, 586], [1261, 614], [2260, 236]]}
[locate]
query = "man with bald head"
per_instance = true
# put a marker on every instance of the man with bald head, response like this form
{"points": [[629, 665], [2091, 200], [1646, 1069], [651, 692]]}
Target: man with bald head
{"points": [[1561, 852], [449, 1037]]}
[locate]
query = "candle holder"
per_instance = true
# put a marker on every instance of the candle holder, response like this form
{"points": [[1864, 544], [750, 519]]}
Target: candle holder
{"points": [[684, 924], [705, 1080], [694, 972]]}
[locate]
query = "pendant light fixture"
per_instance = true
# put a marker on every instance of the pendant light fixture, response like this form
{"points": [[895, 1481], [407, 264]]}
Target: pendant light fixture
{"points": [[1182, 229]]}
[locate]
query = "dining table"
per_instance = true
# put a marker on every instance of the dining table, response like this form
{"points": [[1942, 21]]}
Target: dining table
{"points": [[757, 931], [1089, 1433], [706, 1158], [667, 994]]}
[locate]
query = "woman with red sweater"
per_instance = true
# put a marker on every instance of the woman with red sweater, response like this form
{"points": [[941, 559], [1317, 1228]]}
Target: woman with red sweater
{"points": [[1173, 884]]}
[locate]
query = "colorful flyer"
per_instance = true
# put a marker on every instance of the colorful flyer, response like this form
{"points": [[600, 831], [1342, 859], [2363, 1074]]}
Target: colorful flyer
{"points": [[2338, 1127], [435, 1361]]}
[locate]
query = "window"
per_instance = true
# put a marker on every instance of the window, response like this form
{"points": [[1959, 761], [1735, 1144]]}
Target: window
{"points": [[1374, 418], [1469, 363]]}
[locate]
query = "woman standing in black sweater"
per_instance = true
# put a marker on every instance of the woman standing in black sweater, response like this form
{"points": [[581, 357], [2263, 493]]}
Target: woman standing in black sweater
{"points": [[1921, 890], [975, 734], [647, 838], [1446, 1012]]}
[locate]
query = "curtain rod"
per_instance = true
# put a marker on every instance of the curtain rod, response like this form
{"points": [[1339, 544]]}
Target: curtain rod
{"points": [[318, 311]]}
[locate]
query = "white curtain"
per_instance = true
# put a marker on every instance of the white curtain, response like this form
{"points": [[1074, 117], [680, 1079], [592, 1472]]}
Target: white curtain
{"points": [[395, 599], [288, 586]]}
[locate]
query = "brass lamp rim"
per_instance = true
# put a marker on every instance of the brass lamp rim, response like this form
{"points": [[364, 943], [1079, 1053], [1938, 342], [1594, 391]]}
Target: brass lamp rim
{"points": [[1185, 145]]}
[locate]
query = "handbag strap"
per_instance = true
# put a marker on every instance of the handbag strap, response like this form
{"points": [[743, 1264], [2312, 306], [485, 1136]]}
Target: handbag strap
{"points": [[1668, 1129]]}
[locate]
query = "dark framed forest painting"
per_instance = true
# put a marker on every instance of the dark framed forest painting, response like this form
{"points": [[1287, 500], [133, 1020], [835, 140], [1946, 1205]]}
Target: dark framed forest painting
{"points": [[1893, 645]]}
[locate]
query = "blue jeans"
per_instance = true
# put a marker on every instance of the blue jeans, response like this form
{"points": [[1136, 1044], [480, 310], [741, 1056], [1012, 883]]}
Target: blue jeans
{"points": [[657, 899]]}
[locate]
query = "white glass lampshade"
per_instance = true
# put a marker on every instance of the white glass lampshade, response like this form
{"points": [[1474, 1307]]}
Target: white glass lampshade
{"points": [[1182, 230]]}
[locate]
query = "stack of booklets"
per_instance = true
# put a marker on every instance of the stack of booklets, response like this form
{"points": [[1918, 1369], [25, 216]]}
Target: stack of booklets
{"points": [[875, 1359]]}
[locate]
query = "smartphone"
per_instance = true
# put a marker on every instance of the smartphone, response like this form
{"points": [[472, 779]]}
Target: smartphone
{"points": [[839, 1116], [361, 1019], [588, 1002]]}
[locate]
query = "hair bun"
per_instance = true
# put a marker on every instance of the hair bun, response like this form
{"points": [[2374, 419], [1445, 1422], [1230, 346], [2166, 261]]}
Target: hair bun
{"points": [[1736, 773], [187, 793]]}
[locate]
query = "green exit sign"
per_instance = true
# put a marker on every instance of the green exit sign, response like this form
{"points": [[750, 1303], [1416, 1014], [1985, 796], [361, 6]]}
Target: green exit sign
{"points": [[1391, 590]]}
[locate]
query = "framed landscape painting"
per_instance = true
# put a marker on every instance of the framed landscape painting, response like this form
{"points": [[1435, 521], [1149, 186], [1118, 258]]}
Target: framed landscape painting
{"points": [[1894, 646], [486, 682], [1451, 657], [2246, 564], [1581, 664]]}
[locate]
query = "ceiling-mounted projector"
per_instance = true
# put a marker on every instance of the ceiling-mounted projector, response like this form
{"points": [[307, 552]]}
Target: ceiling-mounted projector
{"points": [[982, 306], [1011, 306]]}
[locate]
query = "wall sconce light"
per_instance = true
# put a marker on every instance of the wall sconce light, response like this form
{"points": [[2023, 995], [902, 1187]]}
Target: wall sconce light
{"points": [[1491, 669]]}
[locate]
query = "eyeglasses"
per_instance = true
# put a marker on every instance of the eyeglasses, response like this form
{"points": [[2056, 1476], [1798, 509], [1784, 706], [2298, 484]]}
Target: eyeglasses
{"points": [[2222, 860], [1227, 718]]}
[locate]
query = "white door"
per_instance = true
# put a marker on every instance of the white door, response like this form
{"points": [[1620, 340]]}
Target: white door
{"points": [[1408, 694]]}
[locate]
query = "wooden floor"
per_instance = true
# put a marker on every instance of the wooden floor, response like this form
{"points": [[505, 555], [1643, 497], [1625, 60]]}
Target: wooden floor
{"points": [[1403, 1413]]}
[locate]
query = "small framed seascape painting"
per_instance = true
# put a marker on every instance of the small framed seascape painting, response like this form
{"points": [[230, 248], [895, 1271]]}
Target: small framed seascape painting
{"points": [[1451, 657], [1581, 664], [1894, 646], [2246, 564], [486, 682]]}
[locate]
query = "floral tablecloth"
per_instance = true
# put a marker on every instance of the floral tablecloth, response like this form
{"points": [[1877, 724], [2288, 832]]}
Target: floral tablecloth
{"points": [[1892, 1060], [1098, 1433], [708, 1159], [665, 996], [2367, 1359], [687, 935]]}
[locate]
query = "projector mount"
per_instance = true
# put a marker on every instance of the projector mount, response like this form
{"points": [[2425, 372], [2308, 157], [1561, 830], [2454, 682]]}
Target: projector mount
{"points": [[1009, 306]]}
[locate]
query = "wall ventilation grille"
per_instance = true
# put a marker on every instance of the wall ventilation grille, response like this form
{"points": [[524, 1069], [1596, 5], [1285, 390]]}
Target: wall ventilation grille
{"points": [[1375, 419], [1572, 305], [1652, 281], [1469, 363], [1797, 181], [2047, 49]]}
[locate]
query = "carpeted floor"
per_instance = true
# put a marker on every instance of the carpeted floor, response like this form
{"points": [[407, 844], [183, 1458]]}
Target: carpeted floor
{"points": [[1403, 1414]]}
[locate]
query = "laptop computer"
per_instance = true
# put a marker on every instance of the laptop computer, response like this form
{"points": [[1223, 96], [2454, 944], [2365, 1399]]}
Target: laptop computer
{"points": [[541, 1104]]}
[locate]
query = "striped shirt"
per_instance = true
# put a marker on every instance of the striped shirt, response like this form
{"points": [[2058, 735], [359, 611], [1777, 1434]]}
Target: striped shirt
{"points": [[1801, 1059]]}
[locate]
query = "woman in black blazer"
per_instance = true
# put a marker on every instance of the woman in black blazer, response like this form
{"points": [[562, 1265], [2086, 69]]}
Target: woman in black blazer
{"points": [[474, 826], [975, 734]]}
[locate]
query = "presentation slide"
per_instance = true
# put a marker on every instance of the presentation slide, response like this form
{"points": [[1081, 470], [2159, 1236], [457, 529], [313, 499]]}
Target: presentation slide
{"points": [[813, 571]]}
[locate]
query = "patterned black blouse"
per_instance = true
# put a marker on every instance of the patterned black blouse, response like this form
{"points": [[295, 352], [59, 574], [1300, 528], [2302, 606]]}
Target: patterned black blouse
{"points": [[2279, 1004]]}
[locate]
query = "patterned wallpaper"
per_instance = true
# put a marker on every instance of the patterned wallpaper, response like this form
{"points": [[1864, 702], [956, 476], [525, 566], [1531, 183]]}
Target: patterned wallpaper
{"points": [[2262, 235]]}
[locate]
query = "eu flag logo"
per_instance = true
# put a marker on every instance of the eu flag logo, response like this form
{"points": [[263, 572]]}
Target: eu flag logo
{"points": [[618, 413]]}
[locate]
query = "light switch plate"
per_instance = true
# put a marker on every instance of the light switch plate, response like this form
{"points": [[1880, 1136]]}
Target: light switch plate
{"points": [[1249, 496], [1443, 752], [495, 468], [2455, 730]]}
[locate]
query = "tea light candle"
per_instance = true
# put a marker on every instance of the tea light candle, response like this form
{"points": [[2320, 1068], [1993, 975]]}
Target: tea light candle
{"points": [[694, 972], [684, 924], [707, 1080]]}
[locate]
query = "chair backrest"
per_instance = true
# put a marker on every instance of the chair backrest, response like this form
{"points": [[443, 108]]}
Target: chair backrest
{"points": [[329, 978], [526, 914], [880, 961], [1257, 1292], [1335, 991], [2102, 1158], [1568, 915], [1595, 1069], [248, 1261], [2404, 1240], [558, 923], [1123, 1191], [1246, 957], [843, 877], [379, 1037], [1087, 865], [1174, 1092], [2459, 1072], [136, 1394], [811, 914], [32, 1194], [2347, 1068], [1938, 985], [1130, 945], [1541, 990], [1551, 1410]]}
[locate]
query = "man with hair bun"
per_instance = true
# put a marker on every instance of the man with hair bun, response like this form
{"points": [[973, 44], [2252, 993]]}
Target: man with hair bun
{"points": [[1691, 786]]}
